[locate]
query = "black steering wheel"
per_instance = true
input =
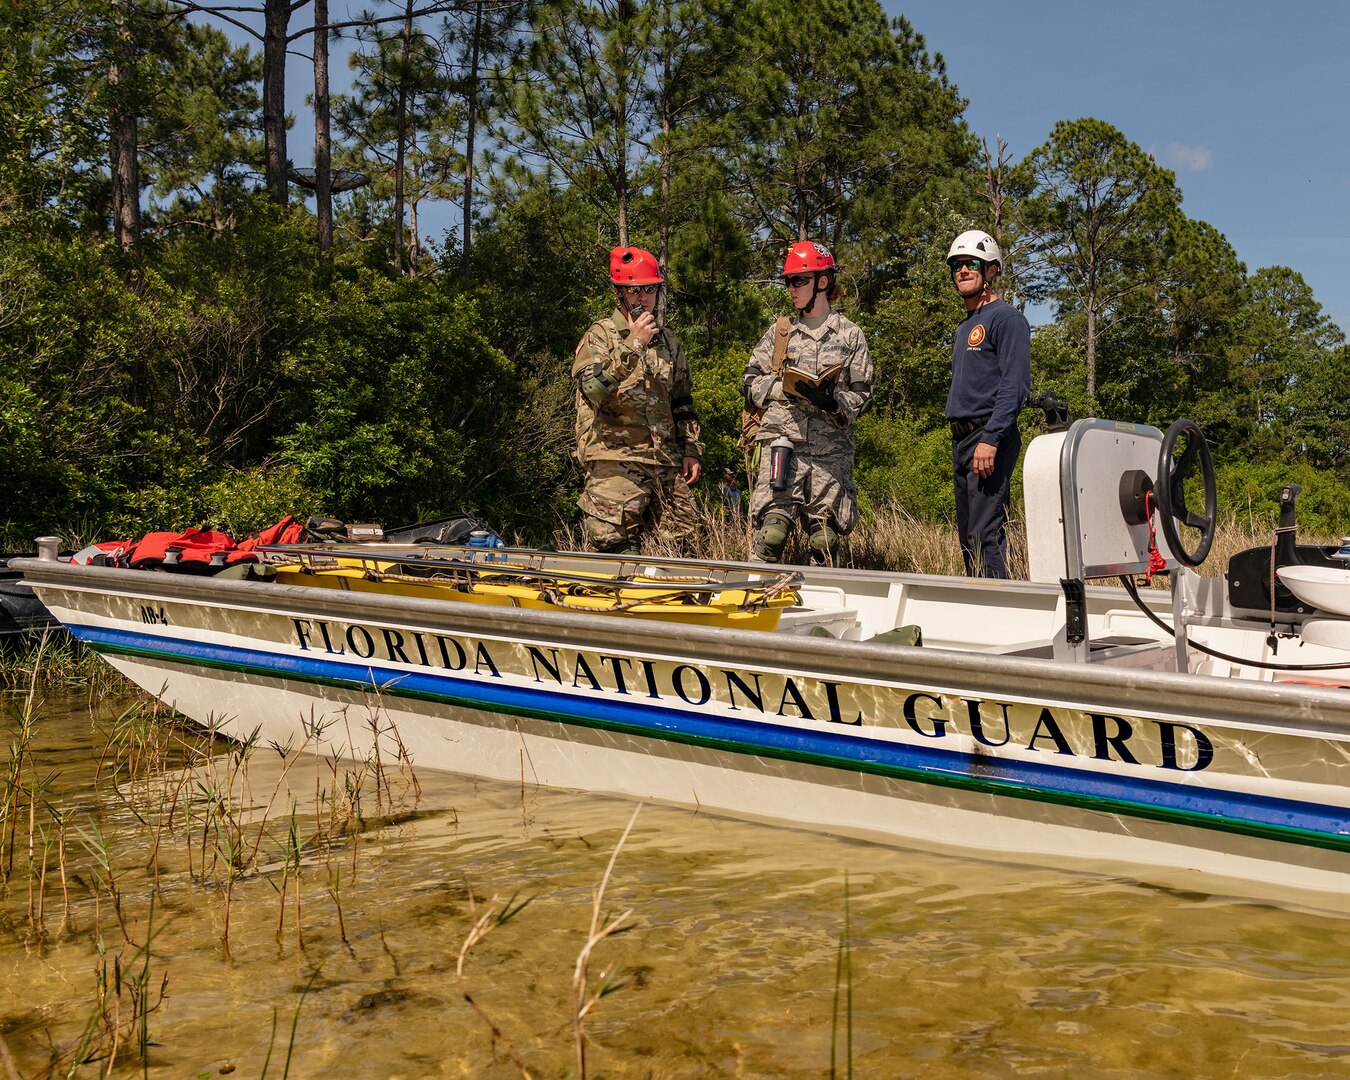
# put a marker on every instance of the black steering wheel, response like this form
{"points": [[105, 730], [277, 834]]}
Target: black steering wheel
{"points": [[1171, 496]]}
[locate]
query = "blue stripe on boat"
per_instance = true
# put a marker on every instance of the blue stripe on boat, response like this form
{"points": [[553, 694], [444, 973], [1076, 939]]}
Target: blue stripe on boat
{"points": [[834, 748]]}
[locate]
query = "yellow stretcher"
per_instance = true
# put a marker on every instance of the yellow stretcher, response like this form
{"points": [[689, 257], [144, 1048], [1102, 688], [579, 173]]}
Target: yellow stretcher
{"points": [[744, 605]]}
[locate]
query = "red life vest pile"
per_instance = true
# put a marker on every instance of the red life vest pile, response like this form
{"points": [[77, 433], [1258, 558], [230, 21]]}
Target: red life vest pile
{"points": [[197, 551]]}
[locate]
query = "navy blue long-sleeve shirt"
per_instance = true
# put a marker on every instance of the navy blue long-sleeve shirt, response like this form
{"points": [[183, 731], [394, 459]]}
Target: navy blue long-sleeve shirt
{"points": [[991, 368]]}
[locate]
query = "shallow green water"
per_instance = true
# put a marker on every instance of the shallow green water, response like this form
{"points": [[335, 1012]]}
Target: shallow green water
{"points": [[959, 968]]}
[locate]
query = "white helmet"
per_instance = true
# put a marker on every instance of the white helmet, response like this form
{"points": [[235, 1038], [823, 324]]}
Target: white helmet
{"points": [[977, 244]]}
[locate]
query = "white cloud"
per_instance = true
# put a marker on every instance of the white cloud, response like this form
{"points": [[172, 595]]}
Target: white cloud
{"points": [[1188, 158]]}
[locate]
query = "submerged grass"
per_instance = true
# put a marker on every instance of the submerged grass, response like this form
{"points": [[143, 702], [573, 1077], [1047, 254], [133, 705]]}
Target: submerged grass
{"points": [[173, 808], [843, 995], [165, 797]]}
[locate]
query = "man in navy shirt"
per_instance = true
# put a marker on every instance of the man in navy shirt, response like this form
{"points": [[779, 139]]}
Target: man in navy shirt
{"points": [[991, 375]]}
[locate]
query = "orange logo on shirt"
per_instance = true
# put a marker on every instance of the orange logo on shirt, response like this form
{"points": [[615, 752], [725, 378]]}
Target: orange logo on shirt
{"points": [[976, 336]]}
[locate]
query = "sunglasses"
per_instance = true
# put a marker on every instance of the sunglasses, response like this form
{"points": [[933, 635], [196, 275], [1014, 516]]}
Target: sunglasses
{"points": [[648, 289], [968, 264], [797, 281]]}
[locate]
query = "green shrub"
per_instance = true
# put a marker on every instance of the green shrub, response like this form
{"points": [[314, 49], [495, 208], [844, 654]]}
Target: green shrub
{"points": [[1251, 492], [718, 398], [248, 500], [901, 464], [399, 403]]}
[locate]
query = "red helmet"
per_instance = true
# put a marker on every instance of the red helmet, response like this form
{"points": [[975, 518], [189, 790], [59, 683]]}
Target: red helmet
{"points": [[805, 257], [633, 266]]}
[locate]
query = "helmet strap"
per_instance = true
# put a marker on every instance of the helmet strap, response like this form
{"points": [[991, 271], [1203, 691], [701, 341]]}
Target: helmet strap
{"points": [[816, 290], [986, 280]]}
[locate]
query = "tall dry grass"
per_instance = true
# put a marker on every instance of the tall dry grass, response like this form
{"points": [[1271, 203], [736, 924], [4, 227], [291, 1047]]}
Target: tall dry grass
{"points": [[888, 537]]}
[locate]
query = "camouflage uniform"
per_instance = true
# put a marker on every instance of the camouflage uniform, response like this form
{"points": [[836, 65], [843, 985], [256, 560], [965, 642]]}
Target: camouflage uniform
{"points": [[635, 426], [821, 488]]}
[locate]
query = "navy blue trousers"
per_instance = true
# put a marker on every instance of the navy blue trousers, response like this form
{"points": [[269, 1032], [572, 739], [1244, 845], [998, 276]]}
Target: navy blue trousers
{"points": [[982, 504]]}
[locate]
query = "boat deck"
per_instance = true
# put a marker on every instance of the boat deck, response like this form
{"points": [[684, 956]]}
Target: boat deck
{"points": [[951, 614]]}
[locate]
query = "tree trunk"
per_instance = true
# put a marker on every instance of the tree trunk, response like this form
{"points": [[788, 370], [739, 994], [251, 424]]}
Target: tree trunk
{"points": [[799, 210], [323, 153], [414, 233], [663, 254], [126, 188], [621, 126], [401, 135], [1092, 345], [993, 180], [469, 136], [836, 233], [621, 179], [124, 150], [995, 174], [276, 19]]}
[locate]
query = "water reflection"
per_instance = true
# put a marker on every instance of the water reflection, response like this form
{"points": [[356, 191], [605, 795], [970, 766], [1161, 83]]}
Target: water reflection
{"points": [[959, 968]]}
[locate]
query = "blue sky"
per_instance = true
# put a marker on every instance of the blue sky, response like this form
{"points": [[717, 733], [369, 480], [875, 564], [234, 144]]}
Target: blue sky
{"points": [[1244, 101]]}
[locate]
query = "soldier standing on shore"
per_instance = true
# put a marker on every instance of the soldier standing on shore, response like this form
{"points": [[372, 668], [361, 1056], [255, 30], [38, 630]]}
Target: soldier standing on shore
{"points": [[991, 375], [638, 438], [811, 386]]}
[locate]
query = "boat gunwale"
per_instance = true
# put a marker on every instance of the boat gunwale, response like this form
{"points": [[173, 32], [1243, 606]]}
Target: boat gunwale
{"points": [[1229, 702]]}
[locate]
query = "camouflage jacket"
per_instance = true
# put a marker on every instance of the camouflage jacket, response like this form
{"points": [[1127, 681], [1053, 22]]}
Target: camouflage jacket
{"points": [[835, 341], [633, 403]]}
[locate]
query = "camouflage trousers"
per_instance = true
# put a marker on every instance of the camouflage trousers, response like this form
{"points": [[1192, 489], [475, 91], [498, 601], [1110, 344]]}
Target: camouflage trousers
{"points": [[821, 489], [623, 500]]}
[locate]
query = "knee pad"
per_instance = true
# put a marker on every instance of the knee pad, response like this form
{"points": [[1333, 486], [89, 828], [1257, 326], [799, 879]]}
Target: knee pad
{"points": [[824, 541], [772, 537]]}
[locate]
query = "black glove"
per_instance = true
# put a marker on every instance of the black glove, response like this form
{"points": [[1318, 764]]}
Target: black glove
{"points": [[822, 396]]}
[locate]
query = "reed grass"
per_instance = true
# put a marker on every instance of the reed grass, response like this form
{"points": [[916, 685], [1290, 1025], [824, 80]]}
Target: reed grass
{"points": [[888, 537], [65, 664], [843, 994], [127, 993], [190, 799], [496, 913], [585, 997], [295, 1029]]}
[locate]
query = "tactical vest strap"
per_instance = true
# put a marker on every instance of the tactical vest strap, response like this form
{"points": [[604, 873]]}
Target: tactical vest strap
{"points": [[751, 415]]}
